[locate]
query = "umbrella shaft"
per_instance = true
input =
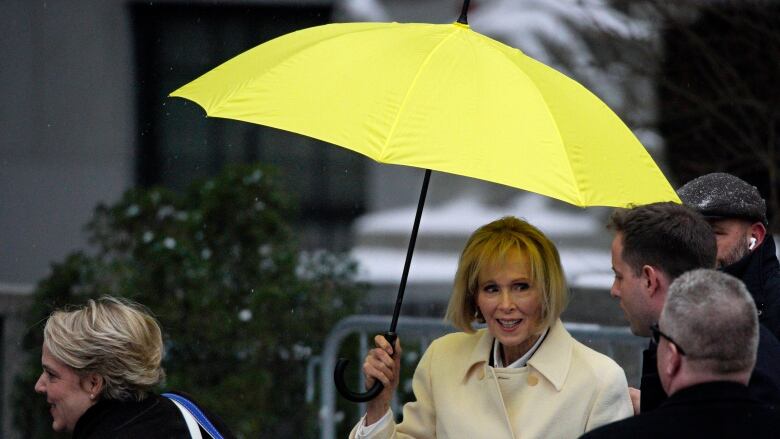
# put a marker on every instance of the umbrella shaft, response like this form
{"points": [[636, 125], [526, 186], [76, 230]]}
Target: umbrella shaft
{"points": [[463, 19], [412, 240]]}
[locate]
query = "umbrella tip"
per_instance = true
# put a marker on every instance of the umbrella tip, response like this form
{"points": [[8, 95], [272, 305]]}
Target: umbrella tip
{"points": [[463, 19]]}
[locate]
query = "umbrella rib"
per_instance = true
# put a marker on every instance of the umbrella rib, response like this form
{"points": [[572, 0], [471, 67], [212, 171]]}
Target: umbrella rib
{"points": [[555, 121], [502, 48], [409, 92]]}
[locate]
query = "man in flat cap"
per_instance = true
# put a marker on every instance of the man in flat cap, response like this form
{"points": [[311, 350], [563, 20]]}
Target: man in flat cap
{"points": [[652, 245], [737, 214]]}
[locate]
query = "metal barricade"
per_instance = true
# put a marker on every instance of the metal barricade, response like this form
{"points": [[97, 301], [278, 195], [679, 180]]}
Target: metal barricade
{"points": [[615, 342]]}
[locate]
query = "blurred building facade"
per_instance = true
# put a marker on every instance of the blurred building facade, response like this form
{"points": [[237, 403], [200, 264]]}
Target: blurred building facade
{"points": [[86, 117]]}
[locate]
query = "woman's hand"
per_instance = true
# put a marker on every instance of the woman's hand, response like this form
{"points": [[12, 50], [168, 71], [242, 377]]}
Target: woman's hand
{"points": [[383, 364]]}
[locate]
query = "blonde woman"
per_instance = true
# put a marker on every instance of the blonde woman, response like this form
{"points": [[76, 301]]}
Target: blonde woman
{"points": [[521, 376], [100, 364]]}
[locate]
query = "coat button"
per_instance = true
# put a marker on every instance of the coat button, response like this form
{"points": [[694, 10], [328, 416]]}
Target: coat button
{"points": [[533, 380]]}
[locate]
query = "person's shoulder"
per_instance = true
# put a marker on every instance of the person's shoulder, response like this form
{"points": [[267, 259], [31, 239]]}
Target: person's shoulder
{"points": [[596, 370], [654, 424], [459, 338], [771, 297], [152, 418], [458, 342], [629, 427], [598, 363]]}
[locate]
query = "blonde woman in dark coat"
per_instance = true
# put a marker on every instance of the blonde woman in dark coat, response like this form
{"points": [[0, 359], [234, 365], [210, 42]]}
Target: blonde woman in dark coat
{"points": [[100, 364]]}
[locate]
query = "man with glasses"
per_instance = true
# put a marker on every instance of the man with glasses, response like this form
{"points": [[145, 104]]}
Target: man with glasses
{"points": [[654, 244], [704, 364]]}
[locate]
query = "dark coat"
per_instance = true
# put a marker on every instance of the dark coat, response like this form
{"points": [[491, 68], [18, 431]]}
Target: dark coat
{"points": [[760, 271], [154, 417], [652, 392], [710, 410], [764, 382]]}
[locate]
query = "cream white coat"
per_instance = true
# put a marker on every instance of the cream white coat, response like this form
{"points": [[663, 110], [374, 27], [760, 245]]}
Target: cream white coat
{"points": [[565, 390]]}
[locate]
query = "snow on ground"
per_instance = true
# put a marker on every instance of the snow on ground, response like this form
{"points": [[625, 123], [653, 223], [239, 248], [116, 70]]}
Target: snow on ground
{"points": [[464, 214], [584, 267]]}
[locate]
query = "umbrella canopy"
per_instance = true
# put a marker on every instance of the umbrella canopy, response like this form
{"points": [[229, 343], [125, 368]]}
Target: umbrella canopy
{"points": [[440, 97]]}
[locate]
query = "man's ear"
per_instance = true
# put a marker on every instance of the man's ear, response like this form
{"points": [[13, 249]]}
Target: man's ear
{"points": [[672, 361], [651, 279], [758, 231]]}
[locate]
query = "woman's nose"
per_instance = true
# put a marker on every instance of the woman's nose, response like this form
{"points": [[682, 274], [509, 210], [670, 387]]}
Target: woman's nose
{"points": [[505, 299], [39, 387]]}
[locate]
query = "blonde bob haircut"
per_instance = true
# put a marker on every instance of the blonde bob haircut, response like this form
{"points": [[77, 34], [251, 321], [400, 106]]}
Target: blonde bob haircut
{"points": [[114, 338], [490, 244]]}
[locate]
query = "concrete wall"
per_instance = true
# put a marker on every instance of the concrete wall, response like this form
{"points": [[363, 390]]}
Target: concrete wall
{"points": [[14, 298], [67, 124]]}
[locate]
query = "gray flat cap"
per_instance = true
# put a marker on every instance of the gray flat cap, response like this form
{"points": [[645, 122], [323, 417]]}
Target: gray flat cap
{"points": [[721, 195]]}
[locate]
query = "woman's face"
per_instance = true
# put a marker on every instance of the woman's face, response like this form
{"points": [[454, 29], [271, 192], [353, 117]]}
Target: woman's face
{"points": [[510, 303], [66, 392]]}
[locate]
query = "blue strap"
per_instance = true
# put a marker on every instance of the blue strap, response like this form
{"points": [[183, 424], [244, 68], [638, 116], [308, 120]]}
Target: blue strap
{"points": [[196, 413]]}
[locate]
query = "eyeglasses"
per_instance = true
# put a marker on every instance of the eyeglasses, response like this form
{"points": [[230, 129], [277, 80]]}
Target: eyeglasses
{"points": [[657, 334]]}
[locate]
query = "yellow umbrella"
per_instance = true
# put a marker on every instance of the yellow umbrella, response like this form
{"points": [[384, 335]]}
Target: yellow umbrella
{"points": [[441, 97]]}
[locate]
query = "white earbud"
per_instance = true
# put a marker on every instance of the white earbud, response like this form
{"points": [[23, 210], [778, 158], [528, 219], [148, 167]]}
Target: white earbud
{"points": [[752, 243]]}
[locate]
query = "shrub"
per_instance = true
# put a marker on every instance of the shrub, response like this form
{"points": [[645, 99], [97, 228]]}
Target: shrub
{"points": [[241, 309]]}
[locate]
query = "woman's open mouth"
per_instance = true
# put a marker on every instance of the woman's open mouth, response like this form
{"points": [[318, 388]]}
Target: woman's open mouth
{"points": [[509, 324]]}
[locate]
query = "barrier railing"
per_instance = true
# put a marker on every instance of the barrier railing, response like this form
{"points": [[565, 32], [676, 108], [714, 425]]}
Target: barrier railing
{"points": [[615, 342]]}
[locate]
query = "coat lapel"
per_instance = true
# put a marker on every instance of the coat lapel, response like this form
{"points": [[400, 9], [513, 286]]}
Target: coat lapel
{"points": [[474, 368], [478, 370], [553, 358]]}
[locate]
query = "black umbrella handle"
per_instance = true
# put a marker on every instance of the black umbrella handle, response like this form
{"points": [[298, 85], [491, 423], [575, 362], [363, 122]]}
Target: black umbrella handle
{"points": [[390, 336], [374, 391]]}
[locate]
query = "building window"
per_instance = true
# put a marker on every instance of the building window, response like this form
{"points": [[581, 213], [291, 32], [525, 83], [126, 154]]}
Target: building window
{"points": [[176, 43]]}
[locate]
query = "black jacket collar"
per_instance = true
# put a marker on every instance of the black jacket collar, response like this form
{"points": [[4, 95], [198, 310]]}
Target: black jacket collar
{"points": [[711, 392], [755, 269]]}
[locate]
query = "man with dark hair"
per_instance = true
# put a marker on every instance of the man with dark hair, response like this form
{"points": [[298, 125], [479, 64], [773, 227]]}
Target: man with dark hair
{"points": [[704, 365], [737, 214], [687, 241], [654, 244]]}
